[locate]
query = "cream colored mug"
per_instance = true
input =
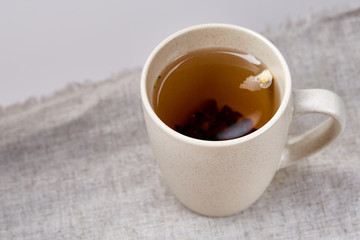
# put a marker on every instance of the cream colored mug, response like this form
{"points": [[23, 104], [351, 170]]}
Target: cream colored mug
{"points": [[219, 178]]}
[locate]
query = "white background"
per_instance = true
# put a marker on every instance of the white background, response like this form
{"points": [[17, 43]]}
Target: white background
{"points": [[44, 44]]}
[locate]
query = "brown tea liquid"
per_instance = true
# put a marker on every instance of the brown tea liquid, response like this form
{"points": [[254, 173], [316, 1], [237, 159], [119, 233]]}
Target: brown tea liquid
{"points": [[199, 95]]}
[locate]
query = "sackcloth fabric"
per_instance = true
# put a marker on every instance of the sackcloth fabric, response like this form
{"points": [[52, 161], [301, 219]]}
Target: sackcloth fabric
{"points": [[78, 165]]}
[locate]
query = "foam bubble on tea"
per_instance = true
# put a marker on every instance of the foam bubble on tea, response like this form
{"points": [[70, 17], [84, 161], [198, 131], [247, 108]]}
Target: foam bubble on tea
{"points": [[255, 83]]}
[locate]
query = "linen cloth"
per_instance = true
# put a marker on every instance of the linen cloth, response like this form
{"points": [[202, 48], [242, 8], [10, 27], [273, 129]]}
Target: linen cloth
{"points": [[78, 165]]}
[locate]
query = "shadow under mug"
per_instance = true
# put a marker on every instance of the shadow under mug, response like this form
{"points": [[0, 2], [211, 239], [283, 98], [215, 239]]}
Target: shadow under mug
{"points": [[219, 178]]}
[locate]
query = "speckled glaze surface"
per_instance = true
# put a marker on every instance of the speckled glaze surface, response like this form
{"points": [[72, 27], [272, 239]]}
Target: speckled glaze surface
{"points": [[219, 178]]}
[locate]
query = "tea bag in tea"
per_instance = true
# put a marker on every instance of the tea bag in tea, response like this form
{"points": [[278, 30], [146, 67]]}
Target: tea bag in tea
{"points": [[211, 123]]}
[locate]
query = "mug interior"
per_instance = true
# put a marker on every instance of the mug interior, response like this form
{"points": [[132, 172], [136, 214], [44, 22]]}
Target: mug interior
{"points": [[223, 36]]}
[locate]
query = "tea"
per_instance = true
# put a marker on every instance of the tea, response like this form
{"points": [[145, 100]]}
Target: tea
{"points": [[215, 94]]}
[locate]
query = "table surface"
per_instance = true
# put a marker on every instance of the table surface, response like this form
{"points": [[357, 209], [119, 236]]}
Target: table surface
{"points": [[46, 45]]}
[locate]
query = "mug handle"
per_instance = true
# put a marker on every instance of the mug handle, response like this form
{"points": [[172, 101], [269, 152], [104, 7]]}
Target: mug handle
{"points": [[314, 101]]}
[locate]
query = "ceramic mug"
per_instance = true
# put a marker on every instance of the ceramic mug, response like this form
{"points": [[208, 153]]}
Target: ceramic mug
{"points": [[219, 178]]}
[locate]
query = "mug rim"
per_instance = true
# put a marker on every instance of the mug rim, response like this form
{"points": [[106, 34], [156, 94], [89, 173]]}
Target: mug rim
{"points": [[280, 111]]}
